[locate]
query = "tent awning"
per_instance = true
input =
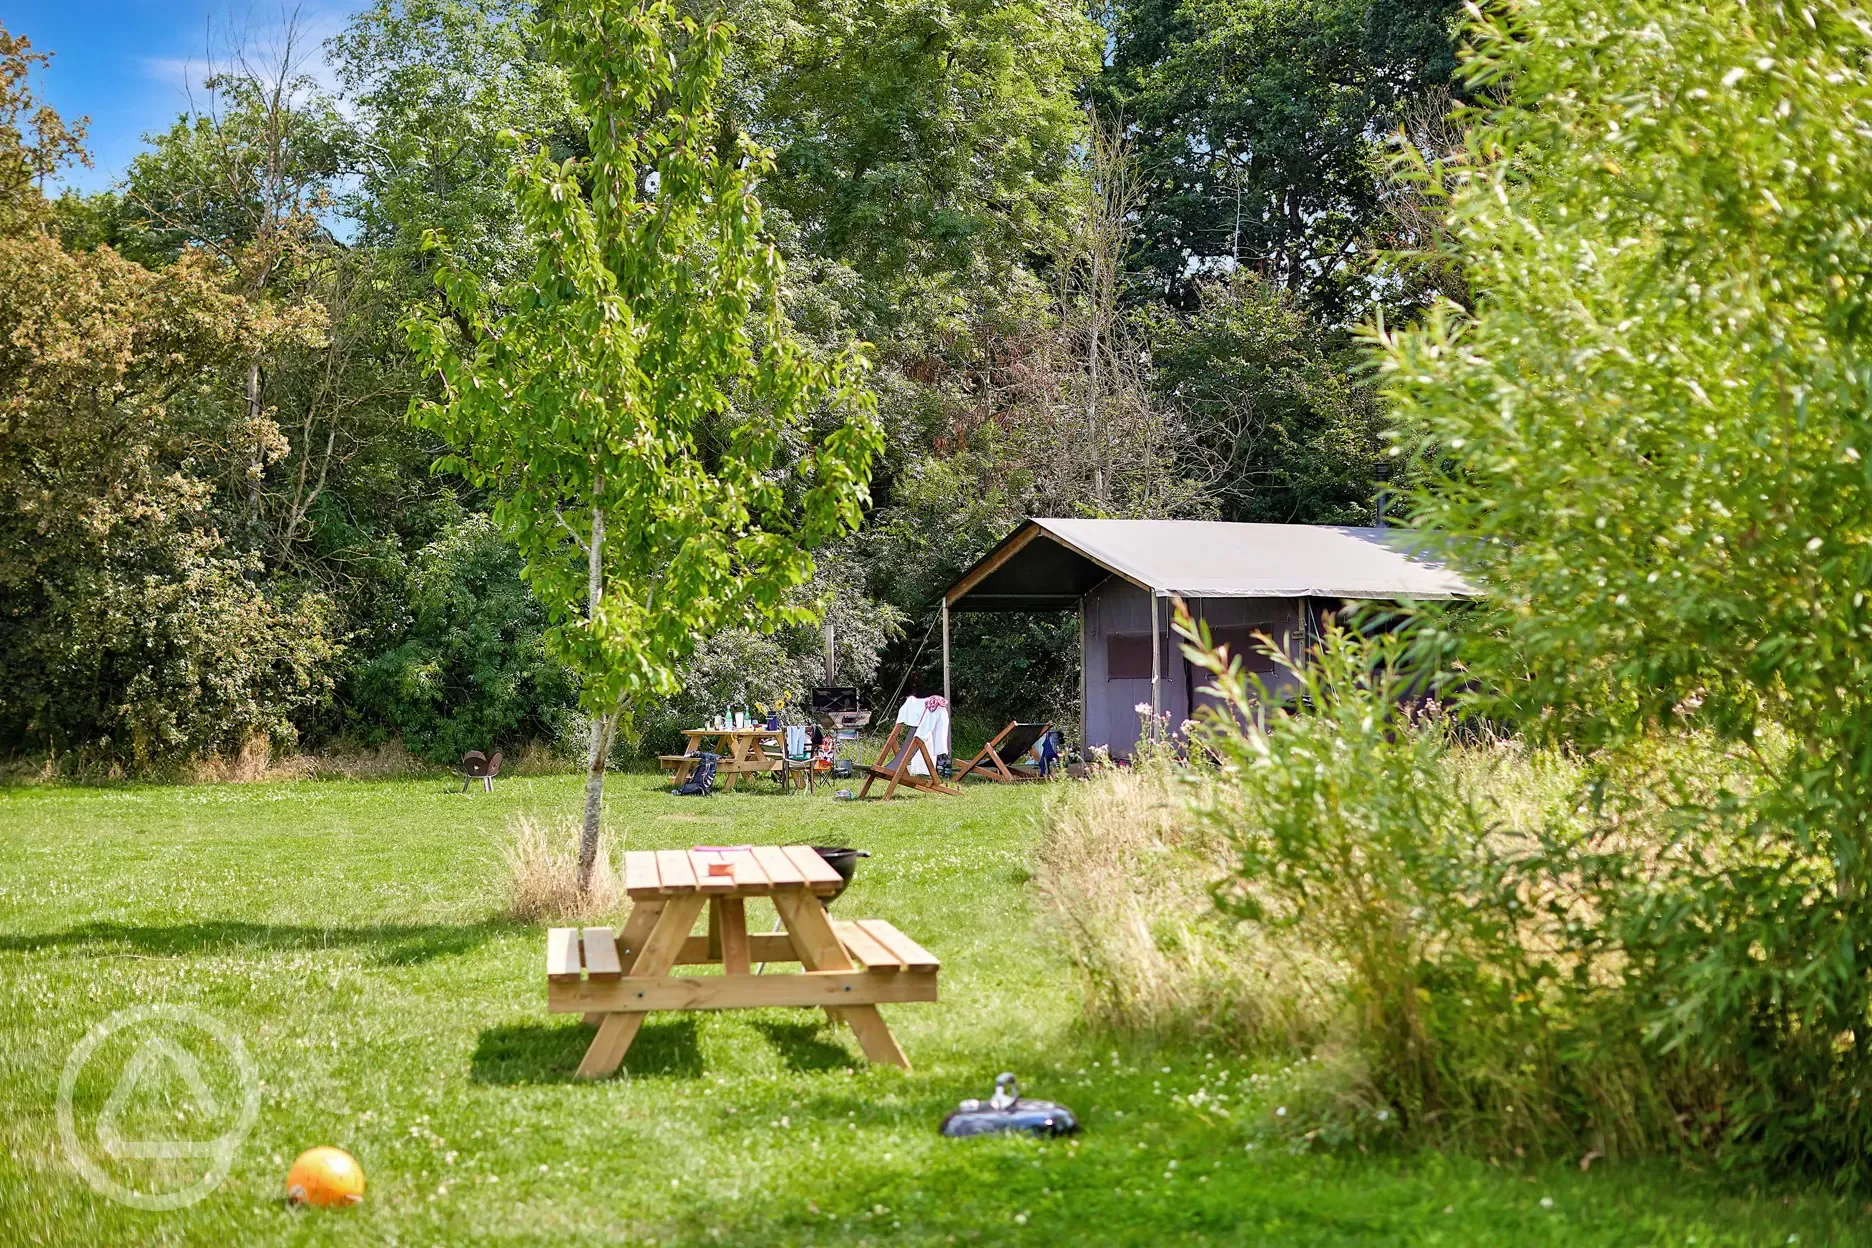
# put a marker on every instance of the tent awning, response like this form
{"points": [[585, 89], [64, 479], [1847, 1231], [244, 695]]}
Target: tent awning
{"points": [[1049, 564]]}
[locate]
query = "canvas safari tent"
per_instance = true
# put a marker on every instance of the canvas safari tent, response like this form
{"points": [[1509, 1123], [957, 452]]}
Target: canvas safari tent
{"points": [[1242, 579]]}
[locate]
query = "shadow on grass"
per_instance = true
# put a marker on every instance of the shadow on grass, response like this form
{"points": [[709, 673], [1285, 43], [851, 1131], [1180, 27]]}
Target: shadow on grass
{"points": [[394, 944], [550, 1052], [806, 1046]]}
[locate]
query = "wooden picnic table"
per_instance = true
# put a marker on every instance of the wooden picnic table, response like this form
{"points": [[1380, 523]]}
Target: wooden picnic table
{"points": [[614, 977], [743, 752]]}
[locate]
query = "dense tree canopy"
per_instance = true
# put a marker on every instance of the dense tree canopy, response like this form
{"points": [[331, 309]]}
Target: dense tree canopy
{"points": [[937, 189], [1260, 123]]}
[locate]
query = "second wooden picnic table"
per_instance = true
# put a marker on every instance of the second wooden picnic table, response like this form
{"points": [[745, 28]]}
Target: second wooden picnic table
{"points": [[614, 977], [744, 751]]}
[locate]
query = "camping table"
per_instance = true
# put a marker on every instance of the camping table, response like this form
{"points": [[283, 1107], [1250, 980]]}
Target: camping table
{"points": [[615, 977], [743, 751]]}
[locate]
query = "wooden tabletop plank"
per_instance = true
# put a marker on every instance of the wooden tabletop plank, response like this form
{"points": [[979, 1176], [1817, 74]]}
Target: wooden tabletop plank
{"points": [[562, 955], [674, 869], [749, 879], [820, 877], [700, 861], [640, 873], [866, 949], [914, 956], [601, 954], [778, 868]]}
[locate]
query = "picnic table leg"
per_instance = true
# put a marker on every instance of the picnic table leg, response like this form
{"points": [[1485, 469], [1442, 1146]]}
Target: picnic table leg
{"points": [[731, 934], [659, 952], [630, 941], [874, 1036], [819, 949], [737, 750], [637, 928]]}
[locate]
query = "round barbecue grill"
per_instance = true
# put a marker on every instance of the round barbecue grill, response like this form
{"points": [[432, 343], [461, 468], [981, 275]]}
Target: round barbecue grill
{"points": [[843, 860]]}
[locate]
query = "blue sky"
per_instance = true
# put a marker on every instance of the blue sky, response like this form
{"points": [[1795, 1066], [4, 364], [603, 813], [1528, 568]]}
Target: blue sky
{"points": [[125, 62]]}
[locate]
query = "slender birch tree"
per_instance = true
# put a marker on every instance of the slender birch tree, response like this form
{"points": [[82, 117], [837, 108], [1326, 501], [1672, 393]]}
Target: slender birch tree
{"points": [[665, 454]]}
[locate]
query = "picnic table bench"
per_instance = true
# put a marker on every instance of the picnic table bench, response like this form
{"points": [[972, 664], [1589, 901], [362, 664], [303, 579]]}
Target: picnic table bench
{"points": [[743, 751], [615, 976]]}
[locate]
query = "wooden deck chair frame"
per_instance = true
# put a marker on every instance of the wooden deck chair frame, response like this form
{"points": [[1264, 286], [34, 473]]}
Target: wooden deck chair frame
{"points": [[893, 765], [992, 765]]}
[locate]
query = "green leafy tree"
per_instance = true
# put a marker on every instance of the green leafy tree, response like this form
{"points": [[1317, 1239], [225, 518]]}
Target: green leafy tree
{"points": [[638, 402], [471, 671], [131, 632], [1285, 431], [922, 142], [432, 87], [35, 142], [1652, 443], [1258, 124]]}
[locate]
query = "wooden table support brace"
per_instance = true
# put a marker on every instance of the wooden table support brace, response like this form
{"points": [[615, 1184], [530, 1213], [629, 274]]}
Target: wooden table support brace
{"points": [[613, 978], [616, 1031]]}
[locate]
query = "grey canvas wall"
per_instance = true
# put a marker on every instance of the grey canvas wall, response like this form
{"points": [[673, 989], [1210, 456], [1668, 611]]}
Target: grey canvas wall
{"points": [[1117, 630]]}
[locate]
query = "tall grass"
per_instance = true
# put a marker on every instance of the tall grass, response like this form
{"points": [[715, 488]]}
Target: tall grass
{"points": [[1353, 885], [541, 864], [1128, 876]]}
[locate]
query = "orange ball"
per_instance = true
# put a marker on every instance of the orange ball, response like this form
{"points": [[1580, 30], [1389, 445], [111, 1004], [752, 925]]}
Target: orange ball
{"points": [[325, 1176]]}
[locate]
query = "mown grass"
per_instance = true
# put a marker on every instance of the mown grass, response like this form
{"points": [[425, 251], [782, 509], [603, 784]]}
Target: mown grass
{"points": [[349, 932]]}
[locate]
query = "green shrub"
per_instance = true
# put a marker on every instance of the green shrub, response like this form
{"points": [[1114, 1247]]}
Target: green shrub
{"points": [[1353, 835], [471, 672], [1653, 442], [138, 630]]}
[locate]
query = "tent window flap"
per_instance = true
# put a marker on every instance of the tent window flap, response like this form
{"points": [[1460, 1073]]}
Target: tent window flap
{"points": [[1128, 656]]}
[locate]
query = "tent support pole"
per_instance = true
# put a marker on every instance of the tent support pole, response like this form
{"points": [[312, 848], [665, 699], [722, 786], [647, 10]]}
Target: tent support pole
{"points": [[1156, 665], [1085, 709], [945, 626]]}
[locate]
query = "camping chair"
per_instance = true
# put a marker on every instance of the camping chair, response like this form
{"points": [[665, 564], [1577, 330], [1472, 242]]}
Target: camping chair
{"points": [[477, 766], [799, 757], [1015, 741], [893, 764]]}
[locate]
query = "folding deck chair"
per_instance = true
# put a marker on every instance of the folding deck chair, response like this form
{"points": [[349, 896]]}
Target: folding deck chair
{"points": [[1015, 742], [893, 764]]}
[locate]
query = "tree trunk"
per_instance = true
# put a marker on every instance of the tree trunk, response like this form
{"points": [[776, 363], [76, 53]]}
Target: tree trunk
{"points": [[603, 723], [602, 726]]}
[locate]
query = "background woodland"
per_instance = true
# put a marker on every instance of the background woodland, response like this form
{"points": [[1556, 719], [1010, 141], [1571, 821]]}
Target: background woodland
{"points": [[1107, 262]]}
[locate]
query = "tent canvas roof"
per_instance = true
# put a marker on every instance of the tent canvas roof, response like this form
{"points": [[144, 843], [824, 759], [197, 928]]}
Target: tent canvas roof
{"points": [[1049, 564]]}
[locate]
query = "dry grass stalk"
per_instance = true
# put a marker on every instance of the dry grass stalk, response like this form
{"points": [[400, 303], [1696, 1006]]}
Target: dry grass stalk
{"points": [[1127, 874], [542, 874], [254, 762]]}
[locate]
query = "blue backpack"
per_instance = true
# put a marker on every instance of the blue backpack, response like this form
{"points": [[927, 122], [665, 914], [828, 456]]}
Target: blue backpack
{"points": [[701, 781]]}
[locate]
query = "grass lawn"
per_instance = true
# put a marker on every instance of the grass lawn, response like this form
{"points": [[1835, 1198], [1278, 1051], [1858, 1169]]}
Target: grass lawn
{"points": [[350, 934]]}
